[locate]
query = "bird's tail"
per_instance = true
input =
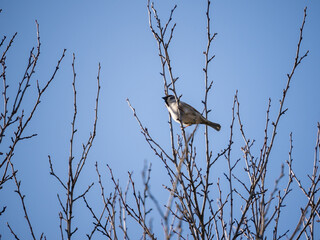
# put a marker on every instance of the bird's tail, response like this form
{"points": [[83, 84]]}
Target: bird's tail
{"points": [[216, 126]]}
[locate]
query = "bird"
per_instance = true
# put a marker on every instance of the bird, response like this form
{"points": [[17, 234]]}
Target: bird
{"points": [[186, 113]]}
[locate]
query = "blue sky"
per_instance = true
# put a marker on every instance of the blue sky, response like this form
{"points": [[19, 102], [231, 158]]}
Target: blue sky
{"points": [[254, 48]]}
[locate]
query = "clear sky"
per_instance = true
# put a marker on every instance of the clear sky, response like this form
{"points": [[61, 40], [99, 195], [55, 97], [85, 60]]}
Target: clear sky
{"points": [[254, 48]]}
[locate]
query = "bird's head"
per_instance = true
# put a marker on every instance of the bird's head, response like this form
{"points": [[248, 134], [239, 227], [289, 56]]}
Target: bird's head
{"points": [[169, 98]]}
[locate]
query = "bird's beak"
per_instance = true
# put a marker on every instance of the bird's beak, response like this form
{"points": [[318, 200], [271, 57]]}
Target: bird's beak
{"points": [[165, 99]]}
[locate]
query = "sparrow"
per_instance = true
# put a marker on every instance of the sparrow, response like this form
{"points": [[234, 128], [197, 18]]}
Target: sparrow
{"points": [[186, 114]]}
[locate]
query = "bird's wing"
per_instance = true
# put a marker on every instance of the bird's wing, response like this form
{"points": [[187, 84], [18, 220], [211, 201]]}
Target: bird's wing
{"points": [[187, 109]]}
